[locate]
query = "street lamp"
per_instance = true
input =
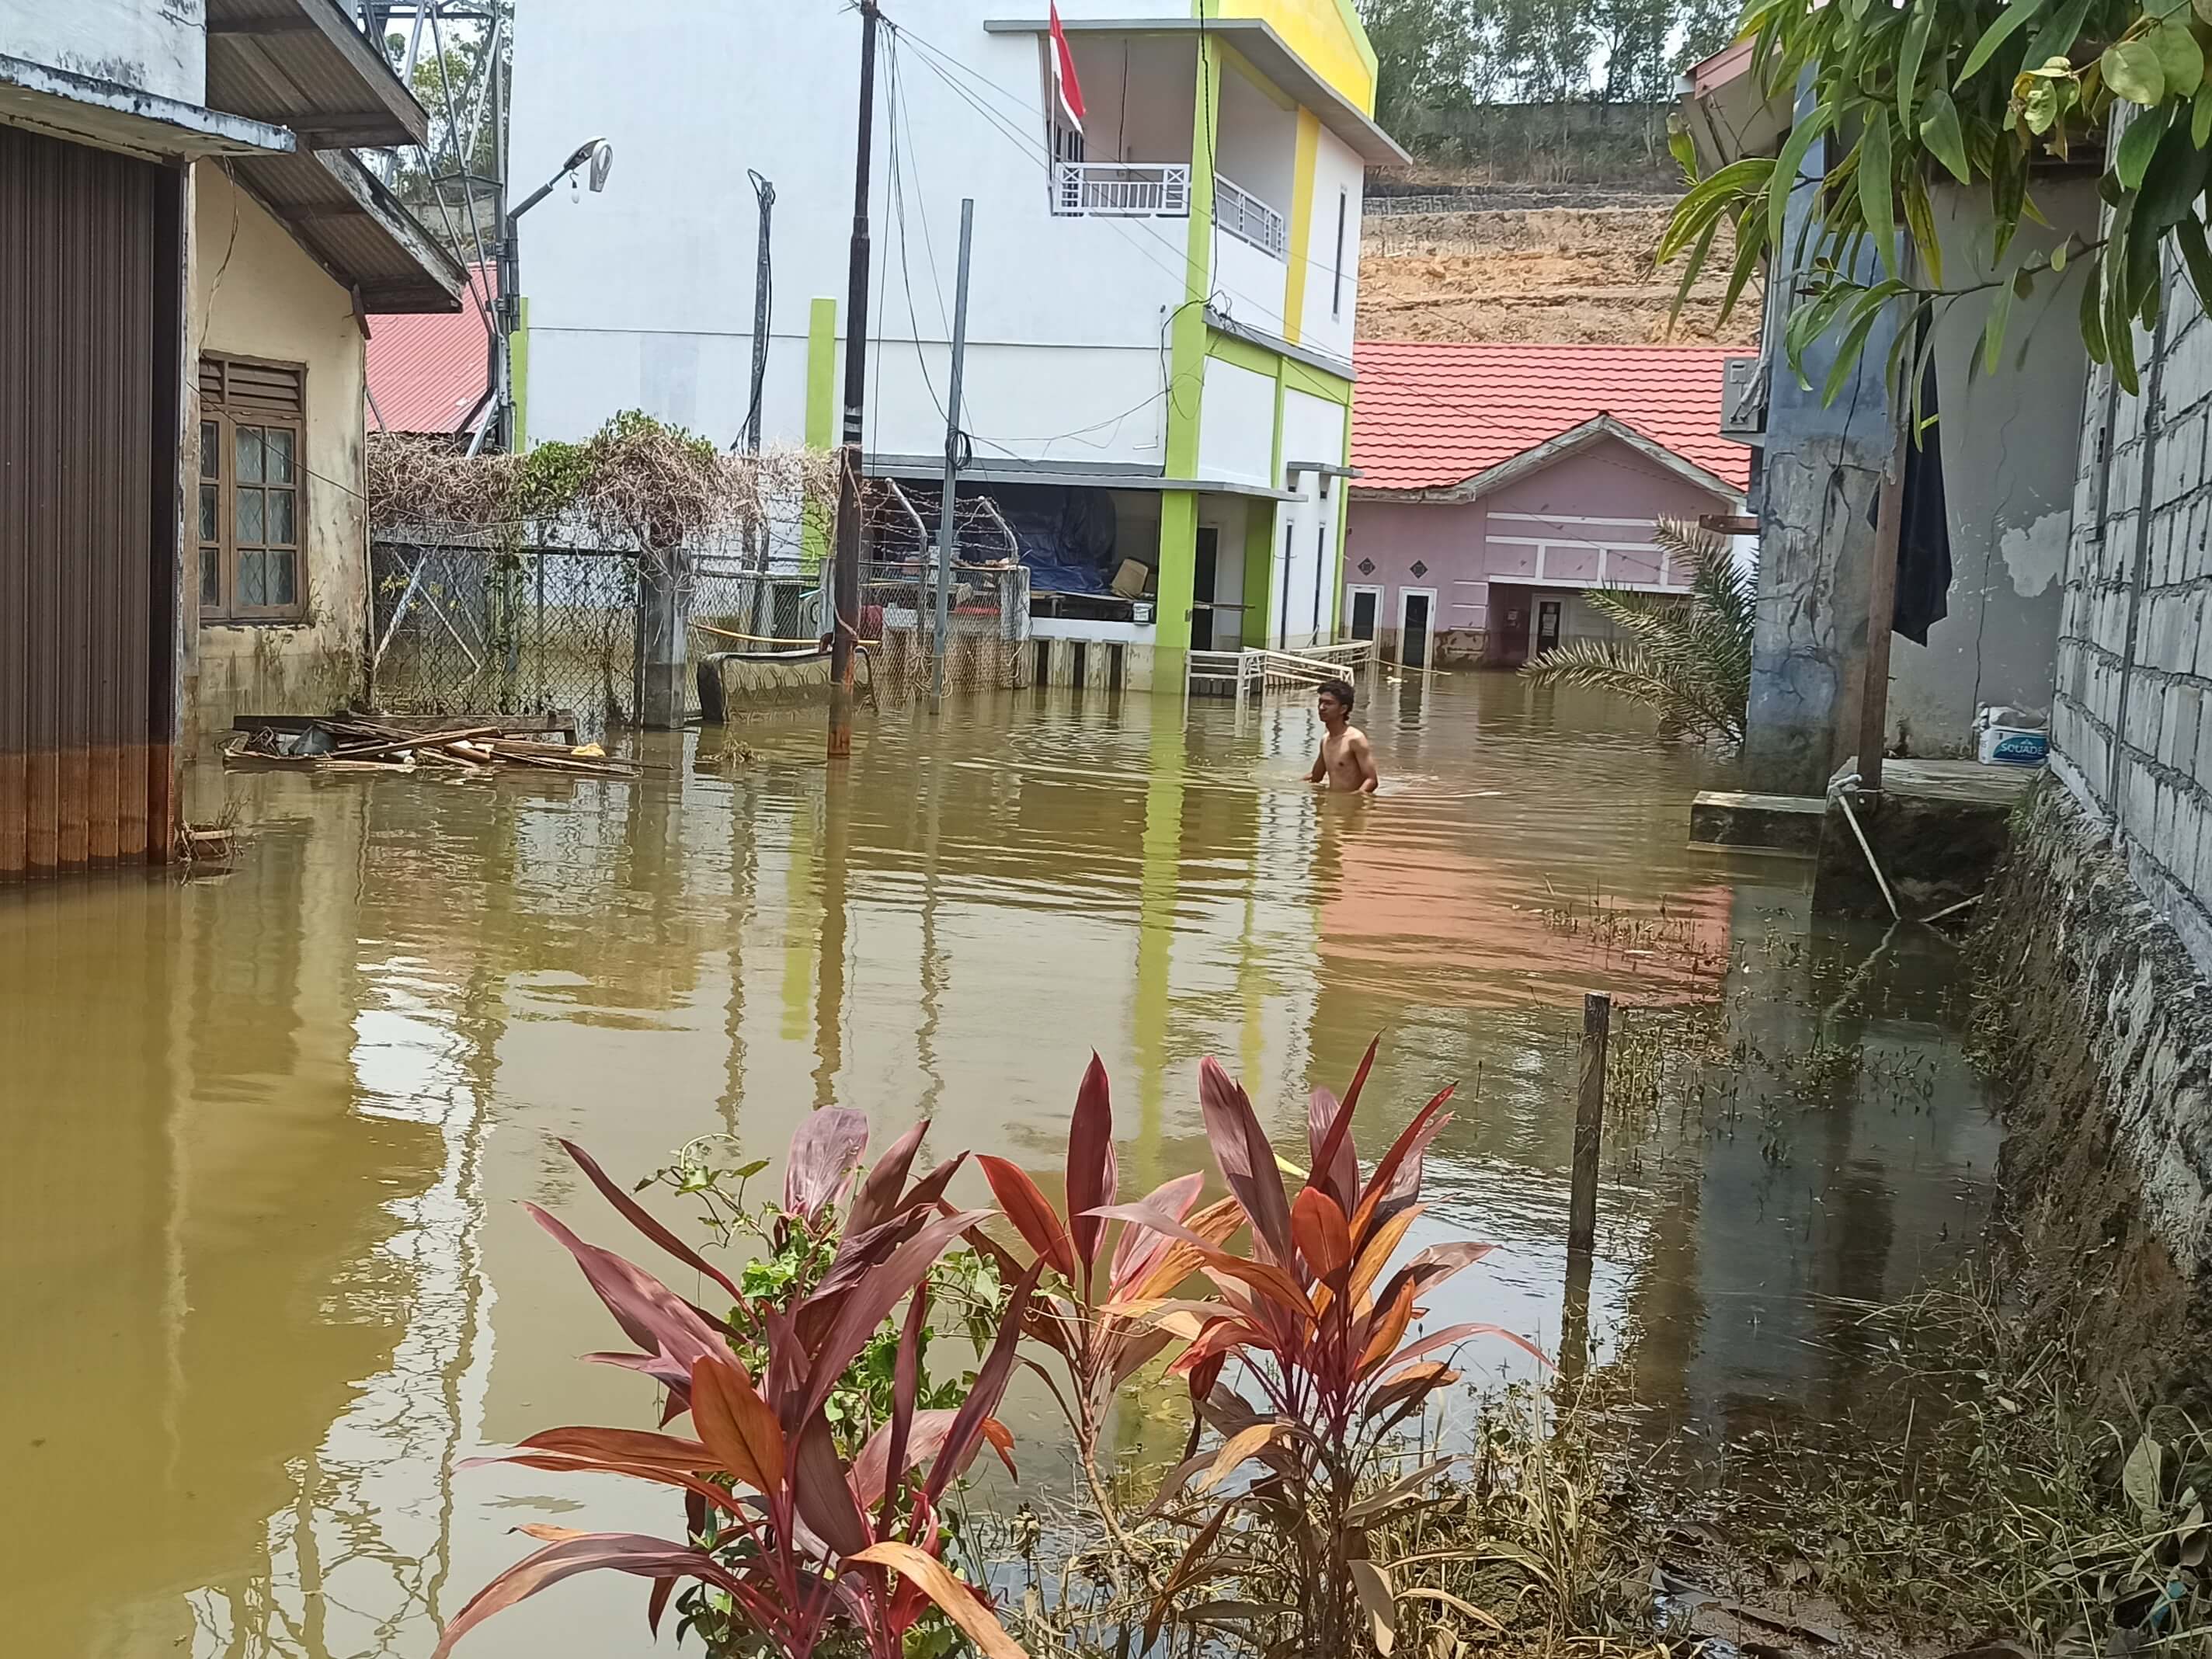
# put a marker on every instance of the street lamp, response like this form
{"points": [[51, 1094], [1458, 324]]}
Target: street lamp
{"points": [[596, 155]]}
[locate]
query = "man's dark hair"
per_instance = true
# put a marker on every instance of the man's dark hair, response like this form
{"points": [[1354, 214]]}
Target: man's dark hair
{"points": [[1340, 689]]}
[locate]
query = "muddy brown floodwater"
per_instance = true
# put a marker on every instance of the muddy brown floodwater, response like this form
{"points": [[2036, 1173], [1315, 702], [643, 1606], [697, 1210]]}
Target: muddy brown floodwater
{"points": [[265, 1277]]}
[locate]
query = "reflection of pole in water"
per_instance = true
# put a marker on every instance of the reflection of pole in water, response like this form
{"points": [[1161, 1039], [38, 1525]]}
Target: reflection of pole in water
{"points": [[830, 981], [1582, 1204]]}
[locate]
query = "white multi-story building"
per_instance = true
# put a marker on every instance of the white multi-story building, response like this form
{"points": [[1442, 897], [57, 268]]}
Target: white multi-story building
{"points": [[1159, 359]]}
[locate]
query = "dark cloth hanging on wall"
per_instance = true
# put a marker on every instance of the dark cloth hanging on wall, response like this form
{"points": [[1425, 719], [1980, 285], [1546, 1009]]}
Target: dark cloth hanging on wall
{"points": [[1923, 537]]}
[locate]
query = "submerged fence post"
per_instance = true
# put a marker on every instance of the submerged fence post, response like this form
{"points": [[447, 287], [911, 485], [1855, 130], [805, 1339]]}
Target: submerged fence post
{"points": [[1582, 1204], [1590, 1123]]}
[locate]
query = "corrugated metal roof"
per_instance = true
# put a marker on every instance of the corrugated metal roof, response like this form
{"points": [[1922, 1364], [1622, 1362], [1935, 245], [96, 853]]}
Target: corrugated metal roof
{"points": [[1427, 416], [302, 65], [355, 229], [430, 374]]}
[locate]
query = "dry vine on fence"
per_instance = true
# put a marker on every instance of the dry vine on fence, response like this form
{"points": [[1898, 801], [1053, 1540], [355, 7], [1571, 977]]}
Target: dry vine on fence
{"points": [[635, 479]]}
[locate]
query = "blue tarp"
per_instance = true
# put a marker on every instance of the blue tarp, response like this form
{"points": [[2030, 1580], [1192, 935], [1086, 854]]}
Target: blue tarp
{"points": [[1066, 536]]}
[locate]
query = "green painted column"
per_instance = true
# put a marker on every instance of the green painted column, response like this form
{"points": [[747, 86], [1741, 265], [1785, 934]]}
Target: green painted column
{"points": [[1187, 389], [821, 420], [1259, 532], [517, 373]]}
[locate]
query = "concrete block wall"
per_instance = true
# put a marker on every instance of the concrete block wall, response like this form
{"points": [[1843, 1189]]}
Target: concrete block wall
{"points": [[2131, 725]]}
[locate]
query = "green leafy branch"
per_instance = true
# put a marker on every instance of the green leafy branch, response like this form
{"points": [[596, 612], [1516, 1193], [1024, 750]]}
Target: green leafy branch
{"points": [[1983, 93]]}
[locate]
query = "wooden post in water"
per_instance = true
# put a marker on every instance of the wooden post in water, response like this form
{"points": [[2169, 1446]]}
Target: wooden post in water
{"points": [[1589, 1124], [1581, 1203]]}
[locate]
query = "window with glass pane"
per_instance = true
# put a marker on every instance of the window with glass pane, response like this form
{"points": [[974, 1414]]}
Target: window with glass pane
{"points": [[250, 483]]}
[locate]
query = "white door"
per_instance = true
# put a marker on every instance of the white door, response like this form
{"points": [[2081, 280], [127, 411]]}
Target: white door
{"points": [[1417, 625]]}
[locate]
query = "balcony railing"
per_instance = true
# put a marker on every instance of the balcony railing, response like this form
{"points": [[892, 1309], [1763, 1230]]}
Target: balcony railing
{"points": [[1123, 190], [1248, 219]]}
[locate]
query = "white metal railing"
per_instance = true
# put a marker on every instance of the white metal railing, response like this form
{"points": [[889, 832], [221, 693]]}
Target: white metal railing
{"points": [[1122, 190], [1248, 219], [1241, 673]]}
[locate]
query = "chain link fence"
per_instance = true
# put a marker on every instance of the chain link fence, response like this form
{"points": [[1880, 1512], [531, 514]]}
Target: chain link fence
{"points": [[462, 628], [467, 620]]}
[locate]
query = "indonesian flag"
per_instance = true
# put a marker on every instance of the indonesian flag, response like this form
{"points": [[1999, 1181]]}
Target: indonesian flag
{"points": [[1065, 86]]}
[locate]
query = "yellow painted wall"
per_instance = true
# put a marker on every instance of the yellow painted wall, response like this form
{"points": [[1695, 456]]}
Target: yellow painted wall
{"points": [[254, 292], [1325, 32]]}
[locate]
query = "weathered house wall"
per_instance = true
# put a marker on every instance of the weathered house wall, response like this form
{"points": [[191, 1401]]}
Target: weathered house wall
{"points": [[255, 293]]}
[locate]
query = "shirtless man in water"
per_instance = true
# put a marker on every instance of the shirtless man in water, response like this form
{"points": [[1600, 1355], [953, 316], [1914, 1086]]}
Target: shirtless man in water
{"points": [[1345, 762]]}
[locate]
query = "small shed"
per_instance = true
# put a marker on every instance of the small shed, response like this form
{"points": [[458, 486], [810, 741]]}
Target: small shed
{"points": [[1499, 483]]}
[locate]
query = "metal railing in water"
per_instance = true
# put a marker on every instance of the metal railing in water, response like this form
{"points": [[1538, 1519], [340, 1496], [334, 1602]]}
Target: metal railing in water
{"points": [[1127, 190], [1249, 672]]}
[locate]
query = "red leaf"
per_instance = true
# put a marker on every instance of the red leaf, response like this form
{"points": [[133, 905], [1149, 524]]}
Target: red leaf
{"points": [[869, 1303], [825, 1497], [659, 1321], [1247, 1160], [1452, 1335], [1092, 1172], [825, 1149], [906, 1384], [1335, 1159], [641, 1218], [625, 1446], [1412, 1141], [878, 1199], [1324, 1237], [737, 1425], [619, 1551], [1032, 1214], [1140, 1248], [987, 1390]]}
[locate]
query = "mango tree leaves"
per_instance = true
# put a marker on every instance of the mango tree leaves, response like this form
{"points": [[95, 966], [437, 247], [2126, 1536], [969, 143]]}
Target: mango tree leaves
{"points": [[1875, 189], [2179, 58], [1939, 130], [2133, 70], [2137, 144], [2014, 18]]}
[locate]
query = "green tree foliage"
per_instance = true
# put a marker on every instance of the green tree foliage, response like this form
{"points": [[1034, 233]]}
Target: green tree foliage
{"points": [[1690, 662], [1446, 56], [1982, 93]]}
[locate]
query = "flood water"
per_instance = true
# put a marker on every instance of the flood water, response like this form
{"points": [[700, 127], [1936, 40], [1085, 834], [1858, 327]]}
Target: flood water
{"points": [[265, 1277]]}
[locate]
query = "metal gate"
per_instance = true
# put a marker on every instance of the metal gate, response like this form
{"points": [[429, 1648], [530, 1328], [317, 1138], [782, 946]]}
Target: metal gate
{"points": [[90, 307]]}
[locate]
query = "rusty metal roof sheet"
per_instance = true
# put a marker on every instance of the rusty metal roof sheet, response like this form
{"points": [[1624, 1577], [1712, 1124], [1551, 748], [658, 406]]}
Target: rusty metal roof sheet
{"points": [[355, 229], [302, 65]]}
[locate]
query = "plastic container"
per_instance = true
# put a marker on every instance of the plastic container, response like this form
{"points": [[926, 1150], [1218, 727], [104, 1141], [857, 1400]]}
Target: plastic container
{"points": [[2005, 738]]}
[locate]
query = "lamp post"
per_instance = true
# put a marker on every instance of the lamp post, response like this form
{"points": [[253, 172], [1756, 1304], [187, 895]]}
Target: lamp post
{"points": [[599, 155]]}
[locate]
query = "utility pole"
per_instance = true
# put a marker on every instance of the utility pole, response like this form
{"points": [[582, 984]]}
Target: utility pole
{"points": [[763, 280], [765, 192], [947, 530], [847, 564]]}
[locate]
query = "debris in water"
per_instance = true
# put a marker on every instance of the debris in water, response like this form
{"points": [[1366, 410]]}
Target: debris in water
{"points": [[353, 744]]}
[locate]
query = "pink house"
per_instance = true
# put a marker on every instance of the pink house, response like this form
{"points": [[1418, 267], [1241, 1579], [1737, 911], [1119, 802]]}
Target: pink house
{"points": [[1499, 484]]}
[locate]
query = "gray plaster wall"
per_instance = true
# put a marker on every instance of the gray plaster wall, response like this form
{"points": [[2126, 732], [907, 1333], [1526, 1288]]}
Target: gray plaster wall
{"points": [[2009, 441]]}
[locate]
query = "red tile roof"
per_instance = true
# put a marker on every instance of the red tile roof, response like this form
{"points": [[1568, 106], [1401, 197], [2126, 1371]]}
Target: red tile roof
{"points": [[428, 373], [1427, 416]]}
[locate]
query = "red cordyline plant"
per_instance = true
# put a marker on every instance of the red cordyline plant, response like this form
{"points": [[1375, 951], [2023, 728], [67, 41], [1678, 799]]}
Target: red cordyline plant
{"points": [[1100, 1349], [804, 1543], [1321, 1335]]}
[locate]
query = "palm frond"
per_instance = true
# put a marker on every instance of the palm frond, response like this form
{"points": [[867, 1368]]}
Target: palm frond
{"points": [[1689, 659]]}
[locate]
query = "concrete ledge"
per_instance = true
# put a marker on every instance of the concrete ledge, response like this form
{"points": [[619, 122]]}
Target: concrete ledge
{"points": [[1770, 823], [2097, 1028], [1939, 829]]}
